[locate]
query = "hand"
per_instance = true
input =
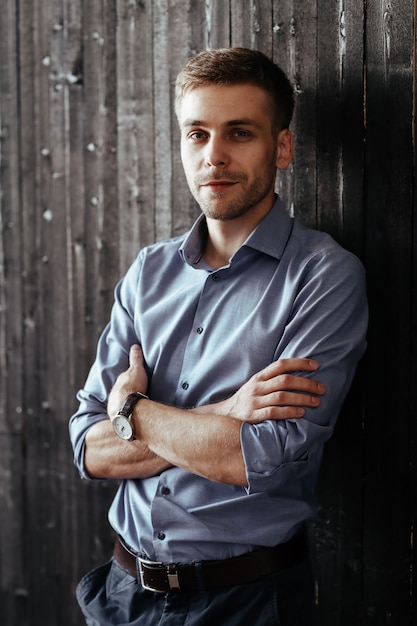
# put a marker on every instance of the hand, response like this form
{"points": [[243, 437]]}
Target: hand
{"points": [[275, 393], [133, 379]]}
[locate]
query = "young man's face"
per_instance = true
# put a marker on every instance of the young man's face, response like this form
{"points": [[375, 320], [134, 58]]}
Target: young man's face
{"points": [[228, 150]]}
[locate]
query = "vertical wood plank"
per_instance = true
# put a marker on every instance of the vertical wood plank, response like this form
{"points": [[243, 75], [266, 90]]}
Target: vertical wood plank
{"points": [[340, 130], [13, 584], [217, 21], [163, 129], [100, 166], [251, 25], [330, 51], [352, 44], [389, 219], [95, 235], [75, 509], [135, 123], [295, 50], [413, 338], [175, 209], [35, 149]]}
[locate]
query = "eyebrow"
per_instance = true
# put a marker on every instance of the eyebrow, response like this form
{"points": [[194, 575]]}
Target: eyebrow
{"points": [[243, 121]]}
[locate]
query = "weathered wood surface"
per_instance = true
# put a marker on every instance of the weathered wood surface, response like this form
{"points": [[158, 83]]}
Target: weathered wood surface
{"points": [[90, 172]]}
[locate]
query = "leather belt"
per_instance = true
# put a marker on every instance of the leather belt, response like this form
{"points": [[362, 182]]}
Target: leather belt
{"points": [[161, 578]]}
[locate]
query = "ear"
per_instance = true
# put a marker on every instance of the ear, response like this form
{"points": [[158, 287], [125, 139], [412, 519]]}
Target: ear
{"points": [[284, 148]]}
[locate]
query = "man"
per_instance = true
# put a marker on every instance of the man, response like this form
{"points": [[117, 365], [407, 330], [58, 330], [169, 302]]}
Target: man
{"points": [[207, 372]]}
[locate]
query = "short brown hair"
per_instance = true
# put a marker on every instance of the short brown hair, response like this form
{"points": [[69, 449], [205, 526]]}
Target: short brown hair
{"points": [[232, 66]]}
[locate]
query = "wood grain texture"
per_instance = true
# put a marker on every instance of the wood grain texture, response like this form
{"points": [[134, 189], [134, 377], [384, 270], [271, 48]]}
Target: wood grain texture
{"points": [[90, 172], [389, 218]]}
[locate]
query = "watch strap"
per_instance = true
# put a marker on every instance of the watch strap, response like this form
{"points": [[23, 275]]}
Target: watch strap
{"points": [[129, 404]]}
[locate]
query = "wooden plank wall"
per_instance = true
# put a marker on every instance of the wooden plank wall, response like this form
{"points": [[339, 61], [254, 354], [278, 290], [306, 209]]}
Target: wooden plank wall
{"points": [[90, 172]]}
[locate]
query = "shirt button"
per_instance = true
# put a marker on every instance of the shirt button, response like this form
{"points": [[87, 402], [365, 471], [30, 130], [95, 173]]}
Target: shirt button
{"points": [[165, 491], [185, 386], [199, 330], [216, 277], [161, 536]]}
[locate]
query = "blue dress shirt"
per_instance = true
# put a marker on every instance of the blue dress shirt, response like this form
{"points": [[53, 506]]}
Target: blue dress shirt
{"points": [[288, 291]]}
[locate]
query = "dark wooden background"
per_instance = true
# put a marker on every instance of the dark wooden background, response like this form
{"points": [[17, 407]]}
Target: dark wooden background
{"points": [[90, 172]]}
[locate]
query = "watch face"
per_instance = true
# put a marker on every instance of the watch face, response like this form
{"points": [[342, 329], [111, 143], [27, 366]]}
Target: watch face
{"points": [[123, 427]]}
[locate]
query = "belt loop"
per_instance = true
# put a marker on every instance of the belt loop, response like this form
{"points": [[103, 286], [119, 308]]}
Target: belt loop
{"points": [[172, 574], [199, 575], [138, 570]]}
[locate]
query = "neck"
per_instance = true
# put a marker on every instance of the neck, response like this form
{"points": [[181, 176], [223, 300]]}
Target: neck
{"points": [[226, 236], [221, 246]]}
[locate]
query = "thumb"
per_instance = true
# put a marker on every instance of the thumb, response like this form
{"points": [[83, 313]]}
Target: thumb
{"points": [[135, 356]]}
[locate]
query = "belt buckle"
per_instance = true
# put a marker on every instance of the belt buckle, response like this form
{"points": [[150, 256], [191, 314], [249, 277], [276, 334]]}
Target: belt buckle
{"points": [[171, 573]]}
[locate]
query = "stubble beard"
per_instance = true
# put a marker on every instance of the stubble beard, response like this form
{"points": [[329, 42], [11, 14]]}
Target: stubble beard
{"points": [[213, 207]]}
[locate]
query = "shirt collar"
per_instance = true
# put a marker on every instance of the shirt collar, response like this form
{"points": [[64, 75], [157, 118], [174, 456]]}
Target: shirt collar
{"points": [[192, 247], [272, 233], [269, 237]]}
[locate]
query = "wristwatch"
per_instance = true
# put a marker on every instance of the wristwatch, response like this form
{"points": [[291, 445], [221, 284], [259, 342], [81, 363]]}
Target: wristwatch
{"points": [[122, 422]]}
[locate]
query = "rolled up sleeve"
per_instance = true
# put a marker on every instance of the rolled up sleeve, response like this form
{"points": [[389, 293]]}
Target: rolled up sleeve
{"points": [[112, 358], [328, 323]]}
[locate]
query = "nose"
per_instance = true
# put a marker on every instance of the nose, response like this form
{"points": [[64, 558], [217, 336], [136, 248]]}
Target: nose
{"points": [[216, 152]]}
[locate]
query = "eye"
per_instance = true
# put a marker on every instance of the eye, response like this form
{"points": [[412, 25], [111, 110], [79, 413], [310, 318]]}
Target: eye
{"points": [[196, 135], [240, 133]]}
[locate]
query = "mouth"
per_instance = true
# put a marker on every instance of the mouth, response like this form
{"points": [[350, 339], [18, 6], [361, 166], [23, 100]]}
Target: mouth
{"points": [[219, 185]]}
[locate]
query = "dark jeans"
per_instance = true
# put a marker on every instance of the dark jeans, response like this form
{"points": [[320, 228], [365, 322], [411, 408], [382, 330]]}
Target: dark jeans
{"points": [[109, 596]]}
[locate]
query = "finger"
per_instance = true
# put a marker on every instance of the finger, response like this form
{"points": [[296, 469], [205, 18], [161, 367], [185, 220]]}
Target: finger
{"points": [[285, 366], [290, 382], [290, 399], [276, 413], [286, 412]]}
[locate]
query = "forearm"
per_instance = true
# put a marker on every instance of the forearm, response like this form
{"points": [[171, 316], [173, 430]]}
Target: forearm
{"points": [[205, 444], [204, 440], [108, 456]]}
